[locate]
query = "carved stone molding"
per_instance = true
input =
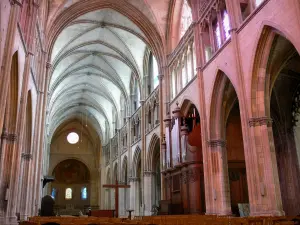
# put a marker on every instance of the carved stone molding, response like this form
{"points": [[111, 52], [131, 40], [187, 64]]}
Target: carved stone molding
{"points": [[160, 77], [260, 121], [26, 156], [184, 176], [216, 143], [149, 173], [15, 2], [4, 135], [12, 137], [193, 175], [134, 179], [48, 65]]}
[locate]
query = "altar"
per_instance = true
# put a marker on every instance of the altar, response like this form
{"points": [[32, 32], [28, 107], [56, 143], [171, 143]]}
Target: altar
{"points": [[69, 210]]}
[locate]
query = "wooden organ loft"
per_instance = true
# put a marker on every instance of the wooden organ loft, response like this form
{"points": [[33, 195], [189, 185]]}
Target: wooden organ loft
{"points": [[183, 163]]}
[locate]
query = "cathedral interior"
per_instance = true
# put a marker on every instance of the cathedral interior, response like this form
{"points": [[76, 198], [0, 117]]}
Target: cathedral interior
{"points": [[150, 106]]}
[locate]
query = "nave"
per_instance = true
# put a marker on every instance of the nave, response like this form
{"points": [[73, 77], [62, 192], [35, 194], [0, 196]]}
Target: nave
{"points": [[174, 111]]}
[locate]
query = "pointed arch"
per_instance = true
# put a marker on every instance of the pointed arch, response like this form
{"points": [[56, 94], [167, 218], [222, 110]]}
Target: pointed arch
{"points": [[12, 102], [136, 160], [152, 152], [115, 172], [261, 79], [125, 169], [108, 176], [223, 90]]}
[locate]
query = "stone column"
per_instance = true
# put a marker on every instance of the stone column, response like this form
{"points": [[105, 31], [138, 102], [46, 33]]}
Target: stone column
{"points": [[16, 170], [262, 178], [7, 56], [3, 171], [143, 150], [40, 131], [148, 177], [200, 58], [266, 197], [132, 182], [220, 180]]}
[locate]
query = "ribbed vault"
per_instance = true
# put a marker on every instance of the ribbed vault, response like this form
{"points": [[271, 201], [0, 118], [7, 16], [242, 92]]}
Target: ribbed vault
{"points": [[94, 61]]}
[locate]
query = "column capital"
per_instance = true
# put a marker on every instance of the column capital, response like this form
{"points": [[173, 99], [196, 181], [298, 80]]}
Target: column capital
{"points": [[216, 143], [12, 137], [48, 65], [26, 156], [260, 121], [134, 179], [160, 77], [4, 135], [149, 173]]}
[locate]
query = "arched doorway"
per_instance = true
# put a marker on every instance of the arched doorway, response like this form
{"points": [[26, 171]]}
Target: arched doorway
{"points": [[71, 187], [227, 157]]}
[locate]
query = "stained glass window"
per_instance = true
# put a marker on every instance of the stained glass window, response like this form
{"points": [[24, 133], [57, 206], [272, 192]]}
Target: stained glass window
{"points": [[68, 194], [258, 2], [217, 35], [84, 193], [186, 18], [73, 138], [226, 24], [155, 72], [53, 193]]}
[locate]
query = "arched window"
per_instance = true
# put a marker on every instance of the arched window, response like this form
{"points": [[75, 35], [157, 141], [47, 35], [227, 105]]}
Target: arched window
{"points": [[186, 18], [217, 34], [258, 2], [189, 64], [226, 24], [153, 80], [155, 72], [183, 72], [173, 83], [68, 194], [84, 193], [137, 96], [53, 193]]}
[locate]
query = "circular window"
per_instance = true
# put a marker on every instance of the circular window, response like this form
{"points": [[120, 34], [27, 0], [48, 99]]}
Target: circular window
{"points": [[73, 138]]}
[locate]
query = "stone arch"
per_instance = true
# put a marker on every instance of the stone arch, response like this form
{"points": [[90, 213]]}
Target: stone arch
{"points": [[174, 16], [275, 70], [185, 105], [51, 170], [260, 83], [107, 177], [151, 153], [12, 98], [125, 170], [115, 172], [225, 133], [135, 162], [222, 82]]}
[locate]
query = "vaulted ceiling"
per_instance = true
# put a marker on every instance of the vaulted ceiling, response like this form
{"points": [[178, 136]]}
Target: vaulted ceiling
{"points": [[94, 59]]}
